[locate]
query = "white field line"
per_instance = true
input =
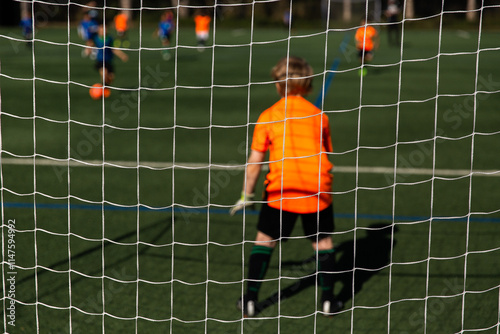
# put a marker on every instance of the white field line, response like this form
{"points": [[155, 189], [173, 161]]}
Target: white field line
{"points": [[188, 165]]}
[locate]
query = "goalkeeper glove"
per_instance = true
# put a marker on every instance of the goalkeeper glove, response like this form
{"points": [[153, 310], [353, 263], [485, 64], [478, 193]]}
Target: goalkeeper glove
{"points": [[244, 201]]}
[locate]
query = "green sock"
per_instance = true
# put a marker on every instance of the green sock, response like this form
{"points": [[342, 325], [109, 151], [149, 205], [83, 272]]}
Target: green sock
{"points": [[257, 268], [326, 265]]}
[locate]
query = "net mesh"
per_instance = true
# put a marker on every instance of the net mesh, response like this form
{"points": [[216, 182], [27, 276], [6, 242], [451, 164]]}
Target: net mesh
{"points": [[115, 209]]}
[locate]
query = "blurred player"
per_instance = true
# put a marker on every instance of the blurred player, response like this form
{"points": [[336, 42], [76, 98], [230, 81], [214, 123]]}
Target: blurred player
{"points": [[287, 19], [87, 30], [367, 41], [392, 13], [164, 32], [297, 135], [121, 27], [105, 53], [92, 11], [202, 28], [27, 29]]}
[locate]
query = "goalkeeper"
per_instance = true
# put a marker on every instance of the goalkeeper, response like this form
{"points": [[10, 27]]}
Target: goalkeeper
{"points": [[367, 40], [299, 181], [202, 28]]}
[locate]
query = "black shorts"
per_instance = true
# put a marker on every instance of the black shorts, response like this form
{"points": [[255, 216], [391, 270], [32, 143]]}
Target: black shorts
{"points": [[279, 224], [362, 53], [106, 65], [165, 37]]}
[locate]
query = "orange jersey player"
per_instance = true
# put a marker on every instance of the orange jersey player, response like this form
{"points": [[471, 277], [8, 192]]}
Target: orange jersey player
{"points": [[367, 41], [392, 14], [299, 182], [121, 27], [202, 28]]}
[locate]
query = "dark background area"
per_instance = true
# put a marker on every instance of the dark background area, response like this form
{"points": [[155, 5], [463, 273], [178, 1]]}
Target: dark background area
{"points": [[304, 11]]}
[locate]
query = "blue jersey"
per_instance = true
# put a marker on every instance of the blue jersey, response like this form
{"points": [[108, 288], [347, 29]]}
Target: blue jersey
{"points": [[164, 28], [27, 27], [104, 50], [88, 29]]}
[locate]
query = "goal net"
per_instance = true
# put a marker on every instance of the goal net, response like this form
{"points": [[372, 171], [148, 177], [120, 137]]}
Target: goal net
{"points": [[117, 181]]}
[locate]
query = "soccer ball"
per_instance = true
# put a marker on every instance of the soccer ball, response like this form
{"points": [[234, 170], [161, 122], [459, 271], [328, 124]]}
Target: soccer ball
{"points": [[97, 91]]}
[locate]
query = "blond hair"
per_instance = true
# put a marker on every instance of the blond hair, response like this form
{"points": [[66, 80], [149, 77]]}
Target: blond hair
{"points": [[293, 76]]}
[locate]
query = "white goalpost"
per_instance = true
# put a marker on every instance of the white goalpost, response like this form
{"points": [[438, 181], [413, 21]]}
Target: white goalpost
{"points": [[117, 178]]}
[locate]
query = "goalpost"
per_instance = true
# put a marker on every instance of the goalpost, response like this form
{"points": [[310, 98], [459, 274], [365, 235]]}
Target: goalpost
{"points": [[115, 209]]}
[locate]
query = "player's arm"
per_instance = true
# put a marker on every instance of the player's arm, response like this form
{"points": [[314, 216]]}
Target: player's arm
{"points": [[253, 168], [157, 32], [120, 54]]}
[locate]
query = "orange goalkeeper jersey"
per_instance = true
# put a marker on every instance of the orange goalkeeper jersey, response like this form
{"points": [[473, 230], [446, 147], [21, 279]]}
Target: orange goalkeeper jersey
{"points": [[297, 136], [366, 40], [121, 22], [202, 23]]}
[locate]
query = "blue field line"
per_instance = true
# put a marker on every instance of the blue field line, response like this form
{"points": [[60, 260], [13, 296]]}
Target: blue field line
{"points": [[331, 73], [212, 210]]}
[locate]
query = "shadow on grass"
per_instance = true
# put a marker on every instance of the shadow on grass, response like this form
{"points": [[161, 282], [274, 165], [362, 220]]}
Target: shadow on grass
{"points": [[361, 260], [357, 263], [163, 225]]}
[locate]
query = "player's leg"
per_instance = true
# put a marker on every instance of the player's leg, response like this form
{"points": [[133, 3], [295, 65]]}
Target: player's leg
{"points": [[202, 38], [260, 256], [368, 56], [258, 263], [165, 42], [326, 265], [323, 245], [107, 74], [199, 39], [90, 49], [393, 32], [101, 69], [28, 36], [272, 224], [362, 60]]}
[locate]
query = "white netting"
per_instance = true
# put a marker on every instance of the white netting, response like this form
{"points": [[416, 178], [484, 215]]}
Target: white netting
{"points": [[115, 210]]}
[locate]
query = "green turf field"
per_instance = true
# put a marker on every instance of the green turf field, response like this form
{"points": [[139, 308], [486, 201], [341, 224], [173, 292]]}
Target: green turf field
{"points": [[151, 249]]}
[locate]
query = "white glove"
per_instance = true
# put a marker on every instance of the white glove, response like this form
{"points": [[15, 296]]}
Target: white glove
{"points": [[244, 201]]}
